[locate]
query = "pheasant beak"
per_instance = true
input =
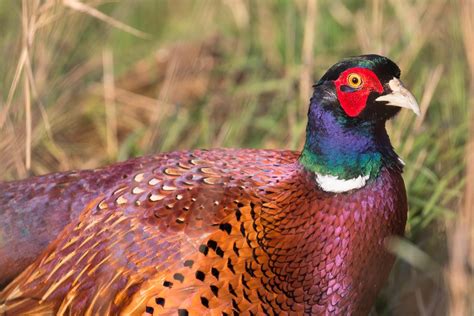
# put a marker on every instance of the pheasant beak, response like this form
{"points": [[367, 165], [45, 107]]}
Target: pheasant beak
{"points": [[400, 97]]}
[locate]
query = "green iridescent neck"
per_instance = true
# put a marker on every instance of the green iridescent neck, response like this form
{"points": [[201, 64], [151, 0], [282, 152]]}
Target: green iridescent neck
{"points": [[339, 147], [344, 166]]}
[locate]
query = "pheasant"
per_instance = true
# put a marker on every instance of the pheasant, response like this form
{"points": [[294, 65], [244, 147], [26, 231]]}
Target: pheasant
{"points": [[221, 231]]}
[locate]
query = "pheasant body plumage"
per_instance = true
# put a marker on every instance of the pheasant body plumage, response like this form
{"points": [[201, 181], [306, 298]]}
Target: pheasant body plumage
{"points": [[223, 231], [221, 225]]}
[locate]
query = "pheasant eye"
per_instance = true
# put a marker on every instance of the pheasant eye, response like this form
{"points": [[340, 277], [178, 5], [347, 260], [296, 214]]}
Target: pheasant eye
{"points": [[354, 80]]}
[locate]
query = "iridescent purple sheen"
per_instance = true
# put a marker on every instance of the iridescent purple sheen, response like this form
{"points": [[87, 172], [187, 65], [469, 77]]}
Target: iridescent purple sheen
{"points": [[343, 146]]}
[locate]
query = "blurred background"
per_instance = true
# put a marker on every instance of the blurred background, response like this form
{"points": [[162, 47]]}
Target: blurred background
{"points": [[86, 83]]}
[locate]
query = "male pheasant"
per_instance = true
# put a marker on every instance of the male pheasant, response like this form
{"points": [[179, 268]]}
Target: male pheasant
{"points": [[222, 231]]}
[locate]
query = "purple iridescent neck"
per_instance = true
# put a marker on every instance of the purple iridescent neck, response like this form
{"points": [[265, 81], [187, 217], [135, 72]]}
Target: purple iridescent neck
{"points": [[341, 146]]}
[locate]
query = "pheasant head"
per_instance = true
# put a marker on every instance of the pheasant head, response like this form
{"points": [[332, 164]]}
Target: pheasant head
{"points": [[346, 142]]}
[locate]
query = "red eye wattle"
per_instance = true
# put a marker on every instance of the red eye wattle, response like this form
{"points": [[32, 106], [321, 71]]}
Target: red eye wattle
{"points": [[353, 87]]}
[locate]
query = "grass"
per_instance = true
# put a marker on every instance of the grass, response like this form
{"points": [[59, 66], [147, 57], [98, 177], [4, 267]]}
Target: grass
{"points": [[88, 83]]}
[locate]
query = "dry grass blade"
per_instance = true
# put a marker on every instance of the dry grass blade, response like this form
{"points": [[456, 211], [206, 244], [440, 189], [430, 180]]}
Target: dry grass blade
{"points": [[428, 92], [110, 108], [377, 24], [27, 23], [27, 124], [13, 87], [417, 19], [460, 275], [306, 78], [239, 11], [82, 7]]}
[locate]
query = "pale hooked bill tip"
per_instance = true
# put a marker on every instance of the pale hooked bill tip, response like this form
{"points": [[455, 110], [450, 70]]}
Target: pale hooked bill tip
{"points": [[400, 97]]}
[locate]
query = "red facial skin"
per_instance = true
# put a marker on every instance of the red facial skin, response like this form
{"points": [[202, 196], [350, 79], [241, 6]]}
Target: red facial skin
{"points": [[354, 100]]}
